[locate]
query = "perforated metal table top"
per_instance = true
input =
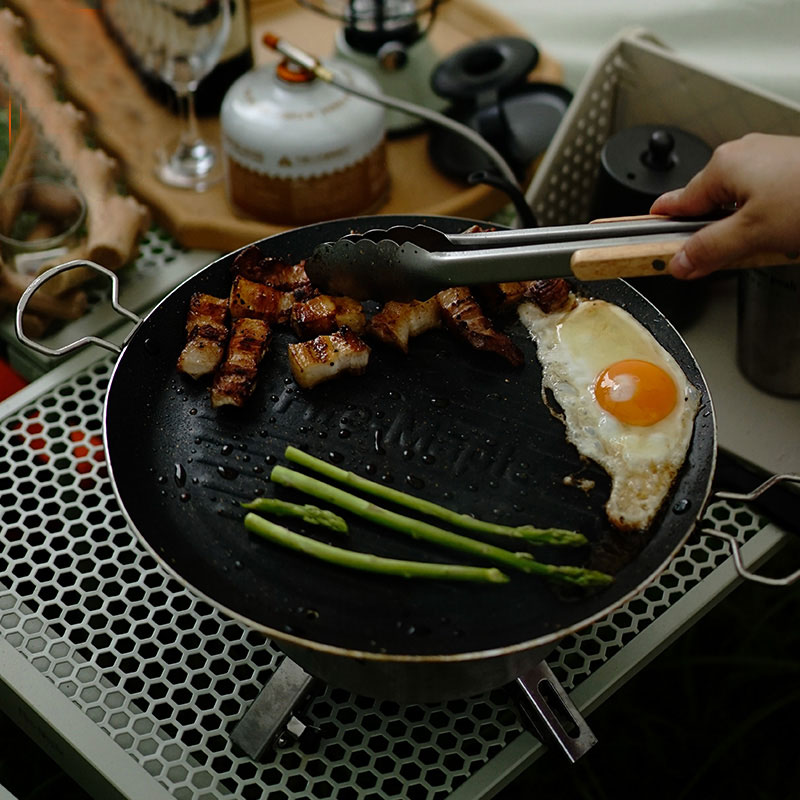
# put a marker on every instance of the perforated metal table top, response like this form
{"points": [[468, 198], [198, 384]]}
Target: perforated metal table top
{"points": [[134, 683]]}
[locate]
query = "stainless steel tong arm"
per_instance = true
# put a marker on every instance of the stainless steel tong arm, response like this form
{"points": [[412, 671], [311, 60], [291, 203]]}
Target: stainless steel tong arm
{"points": [[547, 259], [586, 233], [404, 262]]}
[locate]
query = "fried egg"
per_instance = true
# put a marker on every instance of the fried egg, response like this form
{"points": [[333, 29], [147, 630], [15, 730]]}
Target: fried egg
{"points": [[625, 402]]}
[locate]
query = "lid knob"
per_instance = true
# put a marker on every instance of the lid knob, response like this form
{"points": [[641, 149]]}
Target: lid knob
{"points": [[660, 150]]}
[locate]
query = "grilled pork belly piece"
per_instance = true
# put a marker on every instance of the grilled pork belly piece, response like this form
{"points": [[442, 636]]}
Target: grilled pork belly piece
{"points": [[498, 298], [323, 358], [294, 279], [462, 315], [326, 314], [252, 264], [236, 377], [550, 295], [396, 323], [206, 335], [259, 301], [502, 298], [248, 263]]}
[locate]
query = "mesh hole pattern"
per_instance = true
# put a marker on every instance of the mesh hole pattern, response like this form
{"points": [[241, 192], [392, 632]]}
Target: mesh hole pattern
{"points": [[167, 676]]}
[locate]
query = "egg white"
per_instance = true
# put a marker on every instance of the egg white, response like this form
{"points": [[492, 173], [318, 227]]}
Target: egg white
{"points": [[573, 347]]}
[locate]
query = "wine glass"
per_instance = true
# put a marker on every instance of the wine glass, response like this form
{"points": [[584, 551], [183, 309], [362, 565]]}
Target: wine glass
{"points": [[185, 41]]}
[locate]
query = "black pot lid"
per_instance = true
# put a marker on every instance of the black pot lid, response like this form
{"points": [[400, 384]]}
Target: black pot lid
{"points": [[653, 159], [484, 68], [520, 127]]}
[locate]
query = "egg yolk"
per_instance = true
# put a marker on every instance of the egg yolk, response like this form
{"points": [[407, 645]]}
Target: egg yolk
{"points": [[636, 392]]}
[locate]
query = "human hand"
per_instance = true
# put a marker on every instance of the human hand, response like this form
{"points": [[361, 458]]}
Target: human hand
{"points": [[759, 175]]}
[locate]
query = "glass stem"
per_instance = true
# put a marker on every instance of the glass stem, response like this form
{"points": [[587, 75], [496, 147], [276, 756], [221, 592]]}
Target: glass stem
{"points": [[191, 133]]}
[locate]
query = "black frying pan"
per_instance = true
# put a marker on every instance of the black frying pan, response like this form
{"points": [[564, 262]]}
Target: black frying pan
{"points": [[445, 422]]}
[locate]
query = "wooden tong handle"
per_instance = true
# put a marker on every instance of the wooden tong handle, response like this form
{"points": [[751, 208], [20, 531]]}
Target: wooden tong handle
{"points": [[636, 260]]}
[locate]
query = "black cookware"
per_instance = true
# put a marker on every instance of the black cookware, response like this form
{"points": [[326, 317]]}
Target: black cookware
{"points": [[445, 422], [637, 165], [486, 84]]}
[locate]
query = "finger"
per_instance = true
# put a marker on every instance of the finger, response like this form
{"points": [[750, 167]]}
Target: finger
{"points": [[698, 197], [716, 246], [709, 190], [680, 267], [706, 192], [668, 204]]}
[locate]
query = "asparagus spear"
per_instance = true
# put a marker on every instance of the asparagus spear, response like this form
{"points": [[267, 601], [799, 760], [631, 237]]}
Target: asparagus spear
{"points": [[423, 530], [529, 532], [366, 561], [308, 513]]}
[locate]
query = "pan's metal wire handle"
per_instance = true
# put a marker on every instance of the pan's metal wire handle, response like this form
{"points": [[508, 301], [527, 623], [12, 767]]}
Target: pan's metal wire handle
{"points": [[84, 340], [734, 545]]}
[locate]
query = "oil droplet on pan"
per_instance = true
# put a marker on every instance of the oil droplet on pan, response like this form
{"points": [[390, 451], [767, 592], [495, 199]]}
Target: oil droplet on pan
{"points": [[414, 482], [180, 475]]}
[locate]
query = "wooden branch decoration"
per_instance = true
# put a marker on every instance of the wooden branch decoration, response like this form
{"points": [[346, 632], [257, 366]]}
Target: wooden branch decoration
{"points": [[114, 221], [18, 169], [69, 306]]}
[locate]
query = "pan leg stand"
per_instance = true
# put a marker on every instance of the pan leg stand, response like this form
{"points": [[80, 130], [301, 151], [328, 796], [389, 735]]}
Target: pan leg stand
{"points": [[543, 700], [271, 716]]}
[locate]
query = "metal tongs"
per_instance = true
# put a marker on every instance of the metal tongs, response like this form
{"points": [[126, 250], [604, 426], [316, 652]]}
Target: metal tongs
{"points": [[403, 263]]}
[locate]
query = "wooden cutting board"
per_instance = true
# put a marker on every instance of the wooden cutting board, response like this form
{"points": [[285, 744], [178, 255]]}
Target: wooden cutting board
{"points": [[129, 124]]}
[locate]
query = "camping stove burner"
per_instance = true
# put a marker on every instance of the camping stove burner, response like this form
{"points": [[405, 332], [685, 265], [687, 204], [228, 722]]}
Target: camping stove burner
{"points": [[163, 676], [371, 24], [388, 39]]}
